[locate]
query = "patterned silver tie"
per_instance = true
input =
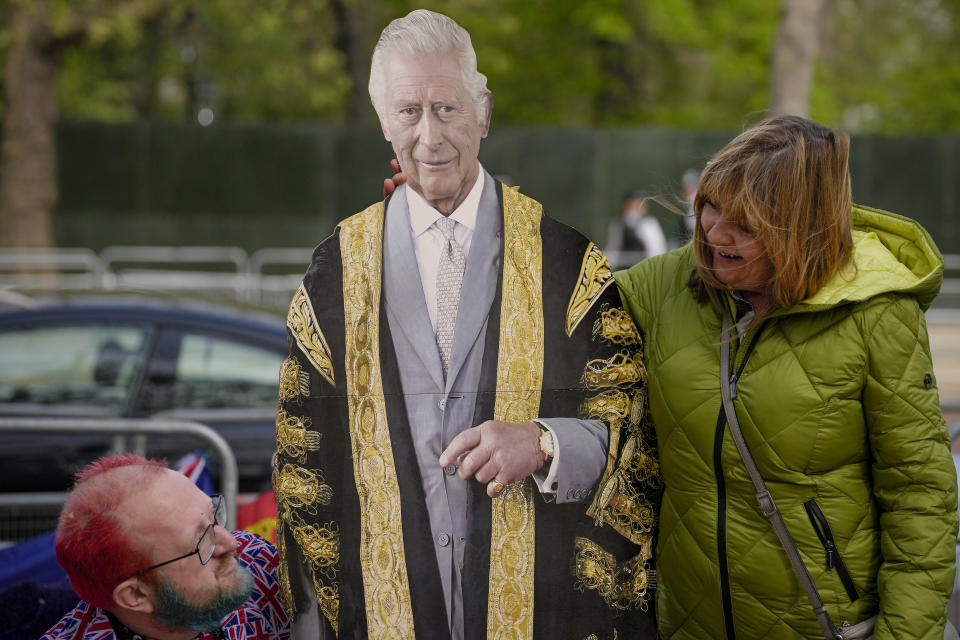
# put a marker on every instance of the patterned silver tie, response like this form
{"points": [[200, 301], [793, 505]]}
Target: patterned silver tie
{"points": [[449, 279]]}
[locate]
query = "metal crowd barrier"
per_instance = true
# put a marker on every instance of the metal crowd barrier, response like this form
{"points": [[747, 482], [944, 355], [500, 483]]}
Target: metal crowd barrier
{"points": [[140, 429], [267, 276]]}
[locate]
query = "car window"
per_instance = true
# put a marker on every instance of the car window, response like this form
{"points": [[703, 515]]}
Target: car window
{"points": [[92, 366], [212, 373]]}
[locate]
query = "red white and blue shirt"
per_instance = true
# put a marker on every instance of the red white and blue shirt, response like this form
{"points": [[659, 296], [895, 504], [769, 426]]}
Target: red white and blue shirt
{"points": [[260, 617]]}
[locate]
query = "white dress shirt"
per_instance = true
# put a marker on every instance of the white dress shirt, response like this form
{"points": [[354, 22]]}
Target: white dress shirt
{"points": [[429, 243]]}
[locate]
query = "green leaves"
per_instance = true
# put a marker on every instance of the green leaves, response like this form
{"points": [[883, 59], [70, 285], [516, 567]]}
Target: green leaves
{"points": [[885, 65]]}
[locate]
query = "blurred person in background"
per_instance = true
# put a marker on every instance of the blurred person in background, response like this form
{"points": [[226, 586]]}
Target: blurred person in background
{"points": [[146, 551], [831, 381], [635, 235], [687, 222], [460, 368]]}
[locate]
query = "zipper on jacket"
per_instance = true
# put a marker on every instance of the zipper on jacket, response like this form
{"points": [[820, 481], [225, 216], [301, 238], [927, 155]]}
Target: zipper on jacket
{"points": [[834, 561], [743, 364], [725, 596], [722, 525]]}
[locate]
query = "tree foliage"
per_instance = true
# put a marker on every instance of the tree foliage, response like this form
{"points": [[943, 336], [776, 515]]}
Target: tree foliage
{"points": [[885, 65]]}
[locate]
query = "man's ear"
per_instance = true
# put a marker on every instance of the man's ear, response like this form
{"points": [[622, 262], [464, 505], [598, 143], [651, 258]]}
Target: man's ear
{"points": [[135, 595], [386, 134], [488, 114]]}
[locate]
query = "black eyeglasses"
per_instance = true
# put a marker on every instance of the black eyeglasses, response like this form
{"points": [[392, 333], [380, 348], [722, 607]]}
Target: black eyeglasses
{"points": [[207, 543]]}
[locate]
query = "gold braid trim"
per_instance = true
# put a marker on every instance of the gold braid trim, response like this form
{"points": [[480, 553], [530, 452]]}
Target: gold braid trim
{"points": [[301, 488], [631, 480], [622, 368], [294, 381], [612, 407], [306, 331], [321, 550], [519, 379], [319, 546], [382, 556], [294, 437], [627, 585], [595, 277], [617, 326]]}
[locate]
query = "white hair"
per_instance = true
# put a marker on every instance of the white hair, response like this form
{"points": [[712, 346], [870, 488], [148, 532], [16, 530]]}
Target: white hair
{"points": [[427, 32]]}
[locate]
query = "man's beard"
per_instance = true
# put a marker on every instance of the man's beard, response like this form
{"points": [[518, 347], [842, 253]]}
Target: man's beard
{"points": [[174, 610]]}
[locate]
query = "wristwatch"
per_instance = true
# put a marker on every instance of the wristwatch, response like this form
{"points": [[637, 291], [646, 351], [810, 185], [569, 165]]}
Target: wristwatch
{"points": [[546, 443]]}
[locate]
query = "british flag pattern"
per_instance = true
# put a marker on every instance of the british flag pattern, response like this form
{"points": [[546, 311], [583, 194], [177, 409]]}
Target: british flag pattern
{"points": [[259, 618]]}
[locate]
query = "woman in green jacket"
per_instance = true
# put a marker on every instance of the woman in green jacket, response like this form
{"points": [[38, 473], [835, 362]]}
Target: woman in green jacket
{"points": [[834, 390]]}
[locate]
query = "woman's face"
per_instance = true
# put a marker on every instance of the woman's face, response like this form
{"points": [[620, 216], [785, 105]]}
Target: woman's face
{"points": [[740, 261]]}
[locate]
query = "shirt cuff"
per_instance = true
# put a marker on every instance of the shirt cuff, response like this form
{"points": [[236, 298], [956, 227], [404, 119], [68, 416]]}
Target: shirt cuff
{"points": [[546, 477]]}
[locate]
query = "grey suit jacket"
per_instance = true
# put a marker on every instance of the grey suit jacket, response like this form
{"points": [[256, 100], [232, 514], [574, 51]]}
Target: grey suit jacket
{"points": [[439, 409]]}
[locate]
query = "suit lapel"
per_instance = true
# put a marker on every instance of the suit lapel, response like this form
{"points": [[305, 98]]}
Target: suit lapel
{"points": [[406, 305], [480, 276]]}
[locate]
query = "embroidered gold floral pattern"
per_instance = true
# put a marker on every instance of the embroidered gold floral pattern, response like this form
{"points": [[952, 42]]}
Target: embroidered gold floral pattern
{"points": [[520, 370], [616, 326], [622, 368], [294, 381], [626, 585], [595, 277], [630, 482], [328, 597], [294, 437], [613, 407], [319, 546], [306, 331], [625, 499], [300, 490], [382, 556], [298, 487]]}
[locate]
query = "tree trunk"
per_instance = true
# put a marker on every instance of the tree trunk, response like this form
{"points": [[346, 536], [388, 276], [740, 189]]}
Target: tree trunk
{"points": [[28, 167], [354, 18], [794, 53]]}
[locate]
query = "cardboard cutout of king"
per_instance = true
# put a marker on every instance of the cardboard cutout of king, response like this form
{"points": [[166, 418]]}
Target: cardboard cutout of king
{"points": [[462, 450]]}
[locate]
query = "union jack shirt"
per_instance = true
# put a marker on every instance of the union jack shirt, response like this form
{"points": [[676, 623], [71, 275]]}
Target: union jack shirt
{"points": [[260, 617]]}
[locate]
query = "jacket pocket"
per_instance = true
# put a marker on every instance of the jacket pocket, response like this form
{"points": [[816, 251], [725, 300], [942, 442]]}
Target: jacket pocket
{"points": [[834, 561]]}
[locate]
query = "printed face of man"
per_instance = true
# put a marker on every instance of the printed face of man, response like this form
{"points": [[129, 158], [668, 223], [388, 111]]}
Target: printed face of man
{"points": [[433, 125]]}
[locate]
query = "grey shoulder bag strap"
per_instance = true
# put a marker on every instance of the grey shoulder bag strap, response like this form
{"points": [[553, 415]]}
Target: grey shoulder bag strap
{"points": [[767, 506]]}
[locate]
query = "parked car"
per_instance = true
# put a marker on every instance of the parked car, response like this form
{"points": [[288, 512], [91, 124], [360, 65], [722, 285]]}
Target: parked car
{"points": [[93, 358]]}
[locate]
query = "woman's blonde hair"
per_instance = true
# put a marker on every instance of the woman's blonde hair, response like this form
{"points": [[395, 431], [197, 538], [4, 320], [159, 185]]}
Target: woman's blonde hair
{"points": [[788, 182]]}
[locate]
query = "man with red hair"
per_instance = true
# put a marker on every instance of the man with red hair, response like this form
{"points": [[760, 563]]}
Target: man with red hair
{"points": [[127, 537]]}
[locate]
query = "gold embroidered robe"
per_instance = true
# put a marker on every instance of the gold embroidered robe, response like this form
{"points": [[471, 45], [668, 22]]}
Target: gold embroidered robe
{"points": [[350, 511]]}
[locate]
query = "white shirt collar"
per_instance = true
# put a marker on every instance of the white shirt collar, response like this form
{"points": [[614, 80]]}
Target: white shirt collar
{"points": [[422, 215]]}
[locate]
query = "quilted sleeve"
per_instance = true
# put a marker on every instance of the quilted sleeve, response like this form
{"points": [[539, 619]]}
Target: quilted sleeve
{"points": [[913, 474], [635, 286]]}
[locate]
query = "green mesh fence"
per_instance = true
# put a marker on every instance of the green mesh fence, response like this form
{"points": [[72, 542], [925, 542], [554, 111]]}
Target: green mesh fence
{"points": [[258, 185]]}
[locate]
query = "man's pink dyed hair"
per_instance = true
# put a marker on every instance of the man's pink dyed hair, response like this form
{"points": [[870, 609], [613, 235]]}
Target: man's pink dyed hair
{"points": [[93, 545]]}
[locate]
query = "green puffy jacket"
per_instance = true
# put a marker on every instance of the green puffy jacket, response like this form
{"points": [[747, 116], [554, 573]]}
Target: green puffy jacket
{"points": [[838, 404]]}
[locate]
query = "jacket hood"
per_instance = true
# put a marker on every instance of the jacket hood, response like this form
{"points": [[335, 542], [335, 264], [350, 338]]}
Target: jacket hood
{"points": [[891, 254]]}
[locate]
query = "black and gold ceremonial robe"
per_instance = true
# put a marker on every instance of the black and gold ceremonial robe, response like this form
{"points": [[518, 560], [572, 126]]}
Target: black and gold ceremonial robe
{"points": [[352, 527]]}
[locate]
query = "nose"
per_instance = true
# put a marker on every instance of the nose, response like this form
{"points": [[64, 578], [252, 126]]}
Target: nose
{"points": [[226, 543], [718, 233], [429, 129]]}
